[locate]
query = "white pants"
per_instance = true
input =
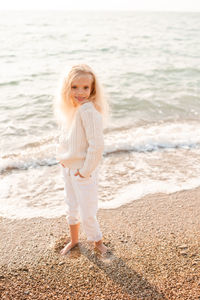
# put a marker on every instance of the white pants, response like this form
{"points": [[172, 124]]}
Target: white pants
{"points": [[81, 197]]}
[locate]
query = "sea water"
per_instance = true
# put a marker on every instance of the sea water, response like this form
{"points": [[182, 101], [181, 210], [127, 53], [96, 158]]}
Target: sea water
{"points": [[149, 65]]}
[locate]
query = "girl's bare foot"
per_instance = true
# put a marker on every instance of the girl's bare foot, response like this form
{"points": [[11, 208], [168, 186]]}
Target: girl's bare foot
{"points": [[68, 247], [101, 247]]}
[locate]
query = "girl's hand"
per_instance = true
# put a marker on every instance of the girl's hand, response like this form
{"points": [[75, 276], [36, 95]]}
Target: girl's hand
{"points": [[77, 173]]}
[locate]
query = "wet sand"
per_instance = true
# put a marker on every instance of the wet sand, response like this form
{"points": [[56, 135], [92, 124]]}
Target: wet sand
{"points": [[154, 253]]}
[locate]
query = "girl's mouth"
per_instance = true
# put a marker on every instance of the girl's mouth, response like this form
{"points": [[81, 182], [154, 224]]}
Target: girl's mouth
{"points": [[80, 98]]}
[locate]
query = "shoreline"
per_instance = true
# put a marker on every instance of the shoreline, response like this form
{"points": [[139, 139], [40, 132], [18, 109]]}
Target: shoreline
{"points": [[154, 247]]}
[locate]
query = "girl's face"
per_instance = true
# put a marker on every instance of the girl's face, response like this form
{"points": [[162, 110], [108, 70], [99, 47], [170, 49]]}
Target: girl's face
{"points": [[81, 88]]}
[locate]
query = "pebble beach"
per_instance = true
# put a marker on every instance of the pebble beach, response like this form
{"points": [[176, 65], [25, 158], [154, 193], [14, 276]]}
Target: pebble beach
{"points": [[153, 254]]}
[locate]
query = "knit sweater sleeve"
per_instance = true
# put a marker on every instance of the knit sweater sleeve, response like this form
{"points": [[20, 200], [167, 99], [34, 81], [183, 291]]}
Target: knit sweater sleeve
{"points": [[92, 123]]}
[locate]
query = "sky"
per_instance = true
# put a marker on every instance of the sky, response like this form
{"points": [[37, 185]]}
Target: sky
{"points": [[135, 5]]}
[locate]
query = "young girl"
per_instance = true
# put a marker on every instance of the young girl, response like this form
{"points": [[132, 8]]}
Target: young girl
{"points": [[81, 112]]}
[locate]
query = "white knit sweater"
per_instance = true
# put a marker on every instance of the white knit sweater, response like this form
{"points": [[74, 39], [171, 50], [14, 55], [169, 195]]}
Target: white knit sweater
{"points": [[82, 146]]}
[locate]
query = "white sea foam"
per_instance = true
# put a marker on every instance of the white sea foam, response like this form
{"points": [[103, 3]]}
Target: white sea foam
{"points": [[139, 190], [17, 208], [146, 138], [156, 136]]}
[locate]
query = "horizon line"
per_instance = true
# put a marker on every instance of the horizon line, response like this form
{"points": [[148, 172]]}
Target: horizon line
{"points": [[96, 10]]}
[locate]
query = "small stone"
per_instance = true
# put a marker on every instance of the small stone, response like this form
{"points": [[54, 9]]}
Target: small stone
{"points": [[183, 252], [25, 269], [26, 292], [61, 263], [91, 267], [184, 246], [193, 255]]}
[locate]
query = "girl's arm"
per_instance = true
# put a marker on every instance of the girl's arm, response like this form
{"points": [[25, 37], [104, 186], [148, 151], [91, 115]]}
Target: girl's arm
{"points": [[93, 125]]}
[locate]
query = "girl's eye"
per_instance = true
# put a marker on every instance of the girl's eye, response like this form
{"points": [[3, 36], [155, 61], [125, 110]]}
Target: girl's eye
{"points": [[74, 87], [86, 87]]}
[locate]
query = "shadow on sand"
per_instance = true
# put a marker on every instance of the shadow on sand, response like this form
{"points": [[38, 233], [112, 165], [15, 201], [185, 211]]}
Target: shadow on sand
{"points": [[117, 270]]}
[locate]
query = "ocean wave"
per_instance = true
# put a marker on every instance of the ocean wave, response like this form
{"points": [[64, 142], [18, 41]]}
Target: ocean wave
{"points": [[153, 147], [10, 165], [176, 70], [154, 137], [27, 78], [145, 138], [41, 74], [7, 56], [15, 162], [12, 82]]}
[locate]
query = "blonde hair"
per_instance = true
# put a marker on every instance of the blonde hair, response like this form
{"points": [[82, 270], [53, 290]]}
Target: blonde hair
{"points": [[64, 107]]}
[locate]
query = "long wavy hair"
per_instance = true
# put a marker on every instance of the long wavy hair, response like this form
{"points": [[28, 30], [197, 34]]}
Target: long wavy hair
{"points": [[64, 108]]}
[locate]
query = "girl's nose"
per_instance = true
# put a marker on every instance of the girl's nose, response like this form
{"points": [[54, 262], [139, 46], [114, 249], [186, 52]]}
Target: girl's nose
{"points": [[80, 92]]}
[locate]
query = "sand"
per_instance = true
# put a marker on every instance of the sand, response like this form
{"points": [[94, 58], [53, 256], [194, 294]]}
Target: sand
{"points": [[154, 245]]}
